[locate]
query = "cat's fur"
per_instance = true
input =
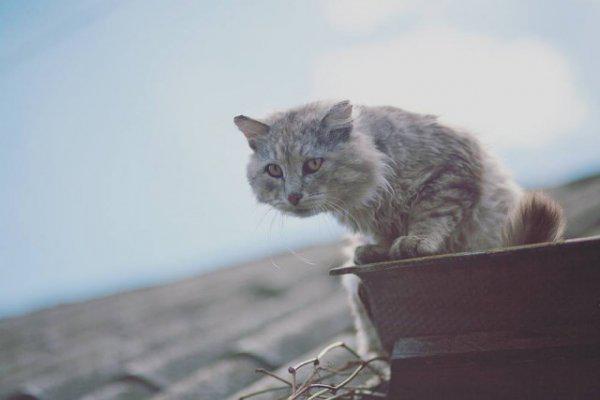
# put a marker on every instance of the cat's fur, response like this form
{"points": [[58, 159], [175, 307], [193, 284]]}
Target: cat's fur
{"points": [[408, 184]]}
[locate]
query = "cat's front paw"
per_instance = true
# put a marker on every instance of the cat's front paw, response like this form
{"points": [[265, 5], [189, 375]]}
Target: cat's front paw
{"points": [[411, 246], [370, 253]]}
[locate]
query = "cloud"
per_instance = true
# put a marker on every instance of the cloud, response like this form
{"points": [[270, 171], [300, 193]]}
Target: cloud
{"points": [[360, 15], [511, 92]]}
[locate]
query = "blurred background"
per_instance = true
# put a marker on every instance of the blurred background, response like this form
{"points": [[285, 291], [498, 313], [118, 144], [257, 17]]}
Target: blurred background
{"points": [[120, 166]]}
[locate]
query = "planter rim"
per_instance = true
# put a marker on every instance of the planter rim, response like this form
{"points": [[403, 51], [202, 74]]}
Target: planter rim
{"points": [[468, 257]]}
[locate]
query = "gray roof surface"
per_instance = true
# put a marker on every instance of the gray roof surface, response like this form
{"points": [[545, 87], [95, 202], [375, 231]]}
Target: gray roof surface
{"points": [[203, 337]]}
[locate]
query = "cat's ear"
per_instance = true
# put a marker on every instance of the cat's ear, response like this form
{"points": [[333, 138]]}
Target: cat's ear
{"points": [[251, 128], [338, 120]]}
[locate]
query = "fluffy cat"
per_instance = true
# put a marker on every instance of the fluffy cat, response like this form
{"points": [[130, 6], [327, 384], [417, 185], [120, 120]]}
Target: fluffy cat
{"points": [[409, 185]]}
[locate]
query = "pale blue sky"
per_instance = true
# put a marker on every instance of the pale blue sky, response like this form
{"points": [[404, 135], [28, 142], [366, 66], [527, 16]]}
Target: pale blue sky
{"points": [[120, 165]]}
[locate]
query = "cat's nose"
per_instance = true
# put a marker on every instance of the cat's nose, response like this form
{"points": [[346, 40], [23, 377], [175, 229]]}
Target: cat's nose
{"points": [[294, 198]]}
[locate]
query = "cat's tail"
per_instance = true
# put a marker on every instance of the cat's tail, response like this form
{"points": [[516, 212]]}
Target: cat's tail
{"points": [[536, 219]]}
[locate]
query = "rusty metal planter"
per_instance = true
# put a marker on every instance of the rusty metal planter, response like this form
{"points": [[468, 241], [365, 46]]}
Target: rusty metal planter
{"points": [[516, 288]]}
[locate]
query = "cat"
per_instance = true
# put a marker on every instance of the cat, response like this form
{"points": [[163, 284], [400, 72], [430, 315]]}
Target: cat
{"points": [[409, 185]]}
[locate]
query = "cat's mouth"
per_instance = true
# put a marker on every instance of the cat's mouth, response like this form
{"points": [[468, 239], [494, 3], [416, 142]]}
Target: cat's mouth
{"points": [[301, 212]]}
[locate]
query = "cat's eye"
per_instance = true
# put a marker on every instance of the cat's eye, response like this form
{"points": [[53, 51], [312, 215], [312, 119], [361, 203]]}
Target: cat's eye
{"points": [[311, 166], [274, 170]]}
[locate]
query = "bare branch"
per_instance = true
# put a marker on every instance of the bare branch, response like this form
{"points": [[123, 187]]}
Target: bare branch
{"points": [[273, 375], [323, 386]]}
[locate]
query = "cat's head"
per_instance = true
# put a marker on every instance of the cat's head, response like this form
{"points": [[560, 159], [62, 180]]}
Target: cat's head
{"points": [[311, 159]]}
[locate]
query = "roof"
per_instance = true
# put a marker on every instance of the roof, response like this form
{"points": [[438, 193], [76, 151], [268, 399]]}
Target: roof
{"points": [[173, 340], [201, 337], [581, 202]]}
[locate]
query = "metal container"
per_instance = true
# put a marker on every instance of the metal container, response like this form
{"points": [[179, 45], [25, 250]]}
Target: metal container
{"points": [[517, 288]]}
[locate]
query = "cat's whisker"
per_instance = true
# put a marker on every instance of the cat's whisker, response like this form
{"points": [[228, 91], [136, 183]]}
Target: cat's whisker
{"points": [[270, 229], [302, 258], [269, 238], [295, 254], [262, 218], [342, 208], [345, 212]]}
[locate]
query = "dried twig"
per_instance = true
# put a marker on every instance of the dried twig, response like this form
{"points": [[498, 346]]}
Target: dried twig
{"points": [[273, 375], [319, 386]]}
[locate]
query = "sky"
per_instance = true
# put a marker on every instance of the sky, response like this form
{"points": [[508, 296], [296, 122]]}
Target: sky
{"points": [[119, 163]]}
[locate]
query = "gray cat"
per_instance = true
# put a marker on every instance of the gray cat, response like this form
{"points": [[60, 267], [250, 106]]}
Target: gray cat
{"points": [[407, 184]]}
